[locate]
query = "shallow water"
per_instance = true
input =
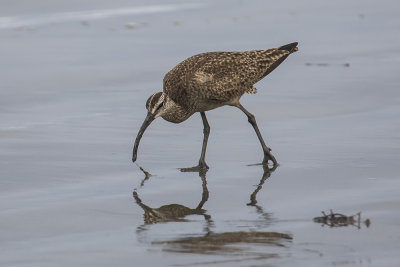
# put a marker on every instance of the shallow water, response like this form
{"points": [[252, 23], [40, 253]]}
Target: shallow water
{"points": [[72, 97]]}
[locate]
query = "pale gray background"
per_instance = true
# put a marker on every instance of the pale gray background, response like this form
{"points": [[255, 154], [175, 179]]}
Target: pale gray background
{"points": [[75, 76]]}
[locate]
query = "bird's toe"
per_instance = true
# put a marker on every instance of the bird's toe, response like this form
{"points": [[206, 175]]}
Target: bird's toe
{"points": [[269, 157], [201, 167]]}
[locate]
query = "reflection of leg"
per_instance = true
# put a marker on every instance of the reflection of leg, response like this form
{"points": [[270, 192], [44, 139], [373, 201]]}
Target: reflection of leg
{"points": [[209, 224], [205, 195], [206, 132], [266, 175], [202, 163], [252, 120]]}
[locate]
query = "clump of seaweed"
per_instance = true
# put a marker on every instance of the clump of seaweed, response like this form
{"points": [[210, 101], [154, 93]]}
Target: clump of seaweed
{"points": [[339, 220]]}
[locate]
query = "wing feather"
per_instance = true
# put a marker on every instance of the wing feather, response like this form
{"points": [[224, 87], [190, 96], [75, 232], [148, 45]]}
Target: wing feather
{"points": [[220, 75]]}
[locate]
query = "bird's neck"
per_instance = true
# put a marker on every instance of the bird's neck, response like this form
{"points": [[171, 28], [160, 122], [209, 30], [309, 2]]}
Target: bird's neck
{"points": [[174, 112]]}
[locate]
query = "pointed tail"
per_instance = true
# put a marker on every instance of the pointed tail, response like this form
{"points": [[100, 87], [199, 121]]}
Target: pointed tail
{"points": [[289, 47]]}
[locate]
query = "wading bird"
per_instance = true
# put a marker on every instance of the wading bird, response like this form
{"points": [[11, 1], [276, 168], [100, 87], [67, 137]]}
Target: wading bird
{"points": [[210, 80]]}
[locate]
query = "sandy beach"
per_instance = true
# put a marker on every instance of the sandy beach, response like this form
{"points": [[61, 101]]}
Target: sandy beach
{"points": [[75, 77]]}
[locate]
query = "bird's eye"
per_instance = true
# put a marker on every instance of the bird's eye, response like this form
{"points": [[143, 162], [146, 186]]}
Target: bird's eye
{"points": [[160, 106]]}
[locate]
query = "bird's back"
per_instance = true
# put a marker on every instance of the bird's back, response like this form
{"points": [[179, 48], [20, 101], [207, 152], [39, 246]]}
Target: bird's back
{"points": [[221, 76]]}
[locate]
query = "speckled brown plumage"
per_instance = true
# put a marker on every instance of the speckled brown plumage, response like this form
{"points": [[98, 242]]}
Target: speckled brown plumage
{"points": [[220, 77]]}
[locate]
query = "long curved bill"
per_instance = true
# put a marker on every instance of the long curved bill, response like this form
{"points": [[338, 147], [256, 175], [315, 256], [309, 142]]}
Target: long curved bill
{"points": [[146, 123]]}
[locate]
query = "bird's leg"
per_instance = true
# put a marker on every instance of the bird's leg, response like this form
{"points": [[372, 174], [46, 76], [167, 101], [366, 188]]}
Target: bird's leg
{"points": [[202, 163], [267, 150], [206, 132]]}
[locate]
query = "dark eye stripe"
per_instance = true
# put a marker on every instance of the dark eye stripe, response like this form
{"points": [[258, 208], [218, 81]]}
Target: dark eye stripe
{"points": [[160, 106]]}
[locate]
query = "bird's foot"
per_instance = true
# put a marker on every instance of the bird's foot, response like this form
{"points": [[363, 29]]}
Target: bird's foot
{"points": [[269, 157], [265, 164], [201, 167]]}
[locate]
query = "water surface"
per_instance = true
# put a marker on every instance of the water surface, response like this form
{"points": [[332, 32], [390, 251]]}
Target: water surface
{"points": [[72, 97]]}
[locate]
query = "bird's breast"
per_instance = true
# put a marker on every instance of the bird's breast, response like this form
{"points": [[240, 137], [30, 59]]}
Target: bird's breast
{"points": [[176, 114], [174, 119]]}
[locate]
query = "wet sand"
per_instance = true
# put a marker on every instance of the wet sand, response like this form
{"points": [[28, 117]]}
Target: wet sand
{"points": [[74, 81]]}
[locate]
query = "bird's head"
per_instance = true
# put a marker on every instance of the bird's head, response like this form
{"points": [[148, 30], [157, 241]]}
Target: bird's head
{"points": [[155, 104], [155, 107]]}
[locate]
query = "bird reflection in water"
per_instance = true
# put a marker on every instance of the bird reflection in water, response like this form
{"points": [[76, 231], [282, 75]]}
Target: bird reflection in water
{"points": [[172, 212], [232, 243]]}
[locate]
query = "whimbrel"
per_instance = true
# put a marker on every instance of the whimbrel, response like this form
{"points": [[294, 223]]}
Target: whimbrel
{"points": [[210, 80]]}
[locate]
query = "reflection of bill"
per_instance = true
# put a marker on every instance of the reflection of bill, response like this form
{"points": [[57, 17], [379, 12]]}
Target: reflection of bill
{"points": [[147, 175]]}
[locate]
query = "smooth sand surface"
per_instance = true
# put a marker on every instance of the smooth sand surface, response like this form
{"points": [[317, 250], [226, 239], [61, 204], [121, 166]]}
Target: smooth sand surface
{"points": [[75, 76]]}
